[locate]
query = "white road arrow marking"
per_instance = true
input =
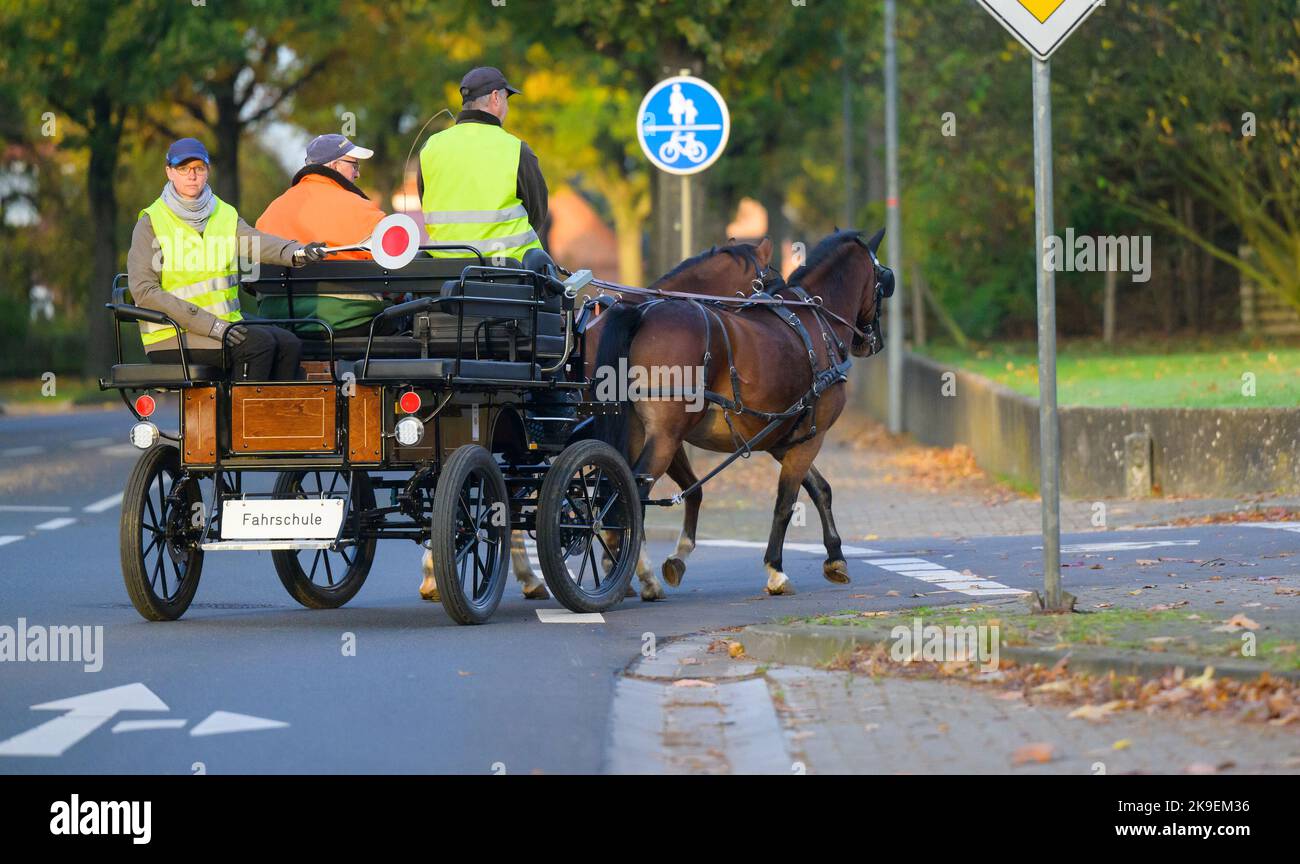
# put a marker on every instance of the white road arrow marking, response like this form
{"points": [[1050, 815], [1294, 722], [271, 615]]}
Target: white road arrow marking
{"points": [[147, 725], [221, 722], [86, 713]]}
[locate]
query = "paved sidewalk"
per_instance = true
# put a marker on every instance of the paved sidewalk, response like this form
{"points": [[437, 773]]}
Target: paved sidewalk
{"points": [[840, 723], [888, 488]]}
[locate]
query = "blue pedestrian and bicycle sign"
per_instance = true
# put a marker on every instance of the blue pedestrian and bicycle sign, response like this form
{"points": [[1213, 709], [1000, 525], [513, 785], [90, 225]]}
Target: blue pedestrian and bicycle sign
{"points": [[683, 125]]}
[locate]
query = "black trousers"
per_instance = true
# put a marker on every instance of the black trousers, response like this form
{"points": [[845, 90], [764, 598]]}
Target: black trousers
{"points": [[269, 353]]}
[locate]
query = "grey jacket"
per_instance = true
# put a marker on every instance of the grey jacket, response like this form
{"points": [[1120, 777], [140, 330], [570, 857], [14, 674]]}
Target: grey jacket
{"points": [[203, 329]]}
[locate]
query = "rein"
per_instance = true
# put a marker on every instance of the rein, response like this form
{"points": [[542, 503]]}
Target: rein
{"points": [[737, 302]]}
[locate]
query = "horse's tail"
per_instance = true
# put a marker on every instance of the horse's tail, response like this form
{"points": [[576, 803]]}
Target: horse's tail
{"points": [[619, 324]]}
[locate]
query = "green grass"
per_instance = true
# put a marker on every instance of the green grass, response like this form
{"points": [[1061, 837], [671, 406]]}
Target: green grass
{"points": [[1127, 629], [1155, 373]]}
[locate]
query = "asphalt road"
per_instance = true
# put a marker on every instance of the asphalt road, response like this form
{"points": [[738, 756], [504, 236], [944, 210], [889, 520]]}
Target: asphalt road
{"points": [[421, 694]]}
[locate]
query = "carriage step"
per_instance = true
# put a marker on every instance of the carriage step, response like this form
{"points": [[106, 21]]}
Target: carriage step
{"points": [[263, 545]]}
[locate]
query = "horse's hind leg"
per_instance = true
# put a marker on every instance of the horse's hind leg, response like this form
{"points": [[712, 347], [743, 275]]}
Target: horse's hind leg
{"points": [[533, 586], [835, 569], [656, 456], [428, 587], [794, 468], [680, 472]]}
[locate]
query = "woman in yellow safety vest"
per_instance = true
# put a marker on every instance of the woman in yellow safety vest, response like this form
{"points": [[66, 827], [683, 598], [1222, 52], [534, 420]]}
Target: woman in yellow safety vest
{"points": [[186, 255]]}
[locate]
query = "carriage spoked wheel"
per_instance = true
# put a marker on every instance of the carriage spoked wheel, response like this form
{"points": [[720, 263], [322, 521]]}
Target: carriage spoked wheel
{"points": [[159, 535], [470, 534], [589, 526], [327, 578]]}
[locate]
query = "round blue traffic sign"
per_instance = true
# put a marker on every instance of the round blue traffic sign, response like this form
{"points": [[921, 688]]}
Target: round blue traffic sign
{"points": [[683, 125]]}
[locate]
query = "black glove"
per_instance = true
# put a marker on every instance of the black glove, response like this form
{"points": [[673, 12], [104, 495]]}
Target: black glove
{"points": [[237, 334], [308, 254]]}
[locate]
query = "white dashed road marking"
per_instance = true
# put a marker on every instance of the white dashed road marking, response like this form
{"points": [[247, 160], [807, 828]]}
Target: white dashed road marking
{"points": [[32, 508], [564, 616], [87, 444], [810, 548], [55, 524], [937, 574], [1123, 546], [1277, 526], [10, 538], [103, 504], [22, 451]]}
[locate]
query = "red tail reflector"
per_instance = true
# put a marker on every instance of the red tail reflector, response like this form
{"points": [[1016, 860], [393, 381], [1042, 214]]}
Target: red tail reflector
{"points": [[409, 402], [144, 405]]}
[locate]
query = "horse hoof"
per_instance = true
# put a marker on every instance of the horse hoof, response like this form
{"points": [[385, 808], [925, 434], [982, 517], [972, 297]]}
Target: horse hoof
{"points": [[536, 591], [429, 590], [674, 568], [779, 583], [651, 591], [836, 571]]}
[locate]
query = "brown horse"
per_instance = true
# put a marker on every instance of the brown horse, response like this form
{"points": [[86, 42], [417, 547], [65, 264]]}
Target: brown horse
{"points": [[761, 362]]}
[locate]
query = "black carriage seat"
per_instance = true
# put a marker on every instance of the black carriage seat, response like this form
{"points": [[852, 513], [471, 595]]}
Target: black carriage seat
{"points": [[438, 368], [160, 375], [148, 375], [489, 331]]}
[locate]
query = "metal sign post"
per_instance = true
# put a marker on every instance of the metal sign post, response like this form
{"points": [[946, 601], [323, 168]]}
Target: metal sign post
{"points": [[1042, 26], [1049, 433], [688, 242], [893, 227]]}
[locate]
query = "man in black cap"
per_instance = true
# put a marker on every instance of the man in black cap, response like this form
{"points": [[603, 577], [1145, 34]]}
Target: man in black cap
{"points": [[479, 185]]}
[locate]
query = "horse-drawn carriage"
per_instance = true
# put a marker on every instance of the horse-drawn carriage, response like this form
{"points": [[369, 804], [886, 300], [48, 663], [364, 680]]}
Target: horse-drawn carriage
{"points": [[480, 424], [467, 427]]}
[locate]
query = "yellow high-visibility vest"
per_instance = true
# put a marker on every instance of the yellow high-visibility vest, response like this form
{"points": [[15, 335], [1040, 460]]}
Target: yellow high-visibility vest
{"points": [[201, 268], [471, 192]]}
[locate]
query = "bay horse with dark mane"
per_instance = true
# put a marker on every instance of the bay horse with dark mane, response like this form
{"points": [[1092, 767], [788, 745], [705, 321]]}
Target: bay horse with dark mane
{"points": [[768, 366]]}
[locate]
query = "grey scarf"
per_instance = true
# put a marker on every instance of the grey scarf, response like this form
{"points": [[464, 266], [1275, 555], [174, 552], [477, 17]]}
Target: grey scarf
{"points": [[193, 212]]}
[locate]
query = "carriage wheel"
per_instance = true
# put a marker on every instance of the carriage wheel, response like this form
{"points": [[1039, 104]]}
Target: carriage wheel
{"points": [[470, 535], [159, 537], [325, 578], [589, 526]]}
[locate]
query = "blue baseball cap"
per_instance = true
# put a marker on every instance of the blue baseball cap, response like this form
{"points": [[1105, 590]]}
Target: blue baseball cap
{"points": [[186, 149]]}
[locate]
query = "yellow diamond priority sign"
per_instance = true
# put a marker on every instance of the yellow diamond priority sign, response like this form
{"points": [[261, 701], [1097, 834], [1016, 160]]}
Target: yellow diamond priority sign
{"points": [[1042, 26]]}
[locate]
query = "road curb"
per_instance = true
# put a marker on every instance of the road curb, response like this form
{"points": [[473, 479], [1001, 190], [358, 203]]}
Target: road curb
{"points": [[819, 644]]}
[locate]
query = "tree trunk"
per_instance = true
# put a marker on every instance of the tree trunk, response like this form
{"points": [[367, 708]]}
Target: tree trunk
{"points": [[1187, 264], [101, 194], [849, 213], [629, 228], [227, 129], [918, 309], [1108, 306]]}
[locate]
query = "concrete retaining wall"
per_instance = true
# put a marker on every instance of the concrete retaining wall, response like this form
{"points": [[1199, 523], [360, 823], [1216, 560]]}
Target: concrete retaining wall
{"points": [[1196, 451]]}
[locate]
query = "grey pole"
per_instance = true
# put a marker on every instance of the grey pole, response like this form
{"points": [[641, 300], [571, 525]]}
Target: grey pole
{"points": [[893, 228], [1049, 480], [687, 240]]}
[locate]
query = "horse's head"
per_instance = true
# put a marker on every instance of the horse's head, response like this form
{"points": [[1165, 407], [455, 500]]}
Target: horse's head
{"points": [[722, 270], [879, 286], [844, 272]]}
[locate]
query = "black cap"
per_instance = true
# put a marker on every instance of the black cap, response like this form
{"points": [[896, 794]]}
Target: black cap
{"points": [[482, 81]]}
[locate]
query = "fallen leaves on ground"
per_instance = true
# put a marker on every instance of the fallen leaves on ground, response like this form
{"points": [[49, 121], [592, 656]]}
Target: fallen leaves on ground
{"points": [[1269, 514], [1039, 752]]}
